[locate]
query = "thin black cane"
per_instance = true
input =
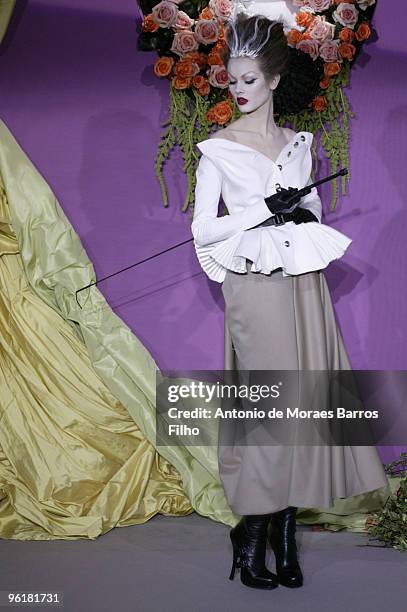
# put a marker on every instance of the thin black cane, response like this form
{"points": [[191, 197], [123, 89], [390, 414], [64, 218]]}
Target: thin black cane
{"points": [[301, 192], [132, 266]]}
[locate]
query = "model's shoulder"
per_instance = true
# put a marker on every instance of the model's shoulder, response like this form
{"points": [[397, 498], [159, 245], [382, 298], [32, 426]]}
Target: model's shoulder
{"points": [[289, 133]]}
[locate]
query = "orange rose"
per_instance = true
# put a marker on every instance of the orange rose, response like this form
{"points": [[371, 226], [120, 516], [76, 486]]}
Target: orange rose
{"points": [[294, 37], [204, 89], [197, 58], [363, 32], [347, 51], [220, 113], [210, 115], [163, 66], [221, 45], [149, 25], [181, 82], [325, 83], [214, 58], [332, 68], [346, 35], [185, 68], [319, 103], [223, 112], [198, 80], [206, 14], [304, 19]]}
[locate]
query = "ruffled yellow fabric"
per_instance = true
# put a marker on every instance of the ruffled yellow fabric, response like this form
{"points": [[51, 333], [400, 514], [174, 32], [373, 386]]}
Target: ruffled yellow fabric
{"points": [[73, 463], [6, 9], [77, 406]]}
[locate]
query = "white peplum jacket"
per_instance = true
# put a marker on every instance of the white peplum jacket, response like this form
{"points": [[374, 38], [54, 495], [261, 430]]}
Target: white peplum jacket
{"points": [[244, 177]]}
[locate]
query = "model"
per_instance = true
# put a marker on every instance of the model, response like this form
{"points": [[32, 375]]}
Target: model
{"points": [[278, 310]]}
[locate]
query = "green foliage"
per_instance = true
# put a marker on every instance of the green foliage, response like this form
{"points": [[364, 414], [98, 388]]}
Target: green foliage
{"points": [[390, 524], [330, 127]]}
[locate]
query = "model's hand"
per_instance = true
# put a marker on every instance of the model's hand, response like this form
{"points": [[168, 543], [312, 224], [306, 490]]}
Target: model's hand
{"points": [[283, 200], [303, 215]]}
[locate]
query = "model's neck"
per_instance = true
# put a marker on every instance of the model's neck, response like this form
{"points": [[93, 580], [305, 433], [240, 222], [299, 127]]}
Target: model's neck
{"points": [[261, 120]]}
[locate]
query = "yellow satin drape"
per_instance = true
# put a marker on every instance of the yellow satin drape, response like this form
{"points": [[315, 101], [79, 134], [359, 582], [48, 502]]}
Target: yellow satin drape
{"points": [[55, 266], [72, 461], [6, 9]]}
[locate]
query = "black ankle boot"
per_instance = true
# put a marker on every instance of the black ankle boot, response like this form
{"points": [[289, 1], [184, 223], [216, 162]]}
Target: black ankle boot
{"points": [[249, 552], [282, 540]]}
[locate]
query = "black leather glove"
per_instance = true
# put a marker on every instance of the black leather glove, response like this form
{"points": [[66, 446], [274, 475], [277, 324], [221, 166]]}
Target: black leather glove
{"points": [[303, 215], [283, 200]]}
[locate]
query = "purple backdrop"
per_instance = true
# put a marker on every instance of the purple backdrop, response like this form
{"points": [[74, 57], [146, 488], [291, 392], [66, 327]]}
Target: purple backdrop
{"points": [[86, 107]]}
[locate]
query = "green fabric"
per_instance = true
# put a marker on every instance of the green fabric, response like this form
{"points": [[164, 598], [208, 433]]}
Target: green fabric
{"points": [[56, 265], [350, 513], [6, 9]]}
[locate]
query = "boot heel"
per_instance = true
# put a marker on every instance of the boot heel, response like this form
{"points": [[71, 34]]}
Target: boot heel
{"points": [[235, 563], [249, 551]]}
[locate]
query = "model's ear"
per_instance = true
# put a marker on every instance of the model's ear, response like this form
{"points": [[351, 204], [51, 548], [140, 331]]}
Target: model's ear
{"points": [[275, 81]]}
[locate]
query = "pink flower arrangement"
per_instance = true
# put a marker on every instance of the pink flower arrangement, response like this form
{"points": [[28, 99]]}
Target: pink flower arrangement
{"points": [[218, 77], [320, 5], [321, 29], [183, 22], [329, 30], [329, 51], [221, 8], [207, 31], [346, 14], [184, 41], [310, 46], [165, 13]]}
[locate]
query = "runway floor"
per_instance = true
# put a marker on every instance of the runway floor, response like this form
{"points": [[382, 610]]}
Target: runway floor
{"points": [[182, 565]]}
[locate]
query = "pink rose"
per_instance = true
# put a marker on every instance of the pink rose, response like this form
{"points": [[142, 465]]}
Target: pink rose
{"points": [[319, 5], [218, 77], [207, 31], [346, 14], [329, 51], [321, 30], [309, 46], [183, 42], [183, 22], [165, 13], [221, 8]]}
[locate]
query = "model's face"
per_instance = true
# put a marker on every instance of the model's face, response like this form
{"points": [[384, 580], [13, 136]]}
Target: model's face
{"points": [[247, 83]]}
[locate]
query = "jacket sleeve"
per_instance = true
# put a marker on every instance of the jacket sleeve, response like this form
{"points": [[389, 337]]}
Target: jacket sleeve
{"points": [[207, 227], [312, 201]]}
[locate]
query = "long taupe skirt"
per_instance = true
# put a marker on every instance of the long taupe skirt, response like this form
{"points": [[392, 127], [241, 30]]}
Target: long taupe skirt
{"points": [[274, 322]]}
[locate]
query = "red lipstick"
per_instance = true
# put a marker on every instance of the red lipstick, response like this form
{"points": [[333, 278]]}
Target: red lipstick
{"points": [[241, 101]]}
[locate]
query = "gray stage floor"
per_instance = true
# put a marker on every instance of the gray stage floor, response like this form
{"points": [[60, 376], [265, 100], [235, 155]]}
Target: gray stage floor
{"points": [[182, 565]]}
